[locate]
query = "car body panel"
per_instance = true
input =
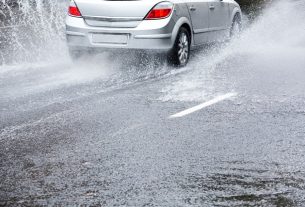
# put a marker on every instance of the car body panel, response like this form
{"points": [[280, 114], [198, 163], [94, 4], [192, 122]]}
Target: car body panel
{"points": [[121, 24], [219, 19], [199, 15], [101, 13]]}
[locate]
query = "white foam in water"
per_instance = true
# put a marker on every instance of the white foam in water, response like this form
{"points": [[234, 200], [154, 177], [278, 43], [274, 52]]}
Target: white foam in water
{"points": [[276, 40], [37, 78]]}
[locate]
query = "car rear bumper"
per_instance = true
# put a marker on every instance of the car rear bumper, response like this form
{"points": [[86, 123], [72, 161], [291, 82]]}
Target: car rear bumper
{"points": [[147, 35]]}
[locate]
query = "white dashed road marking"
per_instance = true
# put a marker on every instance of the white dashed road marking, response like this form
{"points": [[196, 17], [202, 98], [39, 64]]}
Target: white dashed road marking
{"points": [[203, 105]]}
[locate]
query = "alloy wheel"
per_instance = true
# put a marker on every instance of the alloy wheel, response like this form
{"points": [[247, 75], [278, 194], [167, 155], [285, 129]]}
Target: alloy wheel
{"points": [[183, 48]]}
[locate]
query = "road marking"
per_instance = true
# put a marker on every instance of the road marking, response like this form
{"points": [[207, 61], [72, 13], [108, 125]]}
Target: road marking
{"points": [[203, 105]]}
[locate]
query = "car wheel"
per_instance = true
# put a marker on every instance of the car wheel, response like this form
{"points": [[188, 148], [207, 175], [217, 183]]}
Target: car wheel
{"points": [[180, 53], [236, 26]]}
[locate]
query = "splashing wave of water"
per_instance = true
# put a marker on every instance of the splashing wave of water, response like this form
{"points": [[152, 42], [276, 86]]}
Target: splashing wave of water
{"points": [[274, 42], [32, 31]]}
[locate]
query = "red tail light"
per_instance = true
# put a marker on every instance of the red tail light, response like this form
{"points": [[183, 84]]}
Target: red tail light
{"points": [[73, 10], [160, 11]]}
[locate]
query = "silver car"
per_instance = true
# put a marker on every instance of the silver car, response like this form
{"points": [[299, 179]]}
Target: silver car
{"points": [[174, 26]]}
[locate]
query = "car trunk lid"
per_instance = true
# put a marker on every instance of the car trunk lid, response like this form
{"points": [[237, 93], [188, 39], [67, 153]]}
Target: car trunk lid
{"points": [[113, 13]]}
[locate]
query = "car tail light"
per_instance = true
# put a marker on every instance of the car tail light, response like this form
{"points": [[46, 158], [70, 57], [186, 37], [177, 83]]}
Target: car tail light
{"points": [[73, 10], [160, 11]]}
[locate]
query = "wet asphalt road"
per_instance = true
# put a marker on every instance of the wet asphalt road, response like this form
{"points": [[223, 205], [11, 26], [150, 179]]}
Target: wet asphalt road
{"points": [[89, 145], [98, 133]]}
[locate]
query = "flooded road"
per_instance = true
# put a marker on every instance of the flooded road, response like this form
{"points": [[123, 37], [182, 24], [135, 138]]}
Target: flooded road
{"points": [[100, 132]]}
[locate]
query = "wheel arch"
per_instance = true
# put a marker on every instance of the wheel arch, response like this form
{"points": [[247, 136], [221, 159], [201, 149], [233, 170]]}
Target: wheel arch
{"points": [[236, 11], [182, 22]]}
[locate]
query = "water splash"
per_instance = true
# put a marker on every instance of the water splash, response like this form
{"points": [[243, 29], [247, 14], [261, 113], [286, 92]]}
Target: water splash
{"points": [[32, 31], [274, 42]]}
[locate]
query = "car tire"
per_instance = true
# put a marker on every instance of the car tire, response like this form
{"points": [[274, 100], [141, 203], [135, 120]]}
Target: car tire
{"points": [[236, 26], [180, 53]]}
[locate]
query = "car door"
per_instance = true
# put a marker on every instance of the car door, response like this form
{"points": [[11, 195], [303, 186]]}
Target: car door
{"points": [[219, 16], [199, 13]]}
